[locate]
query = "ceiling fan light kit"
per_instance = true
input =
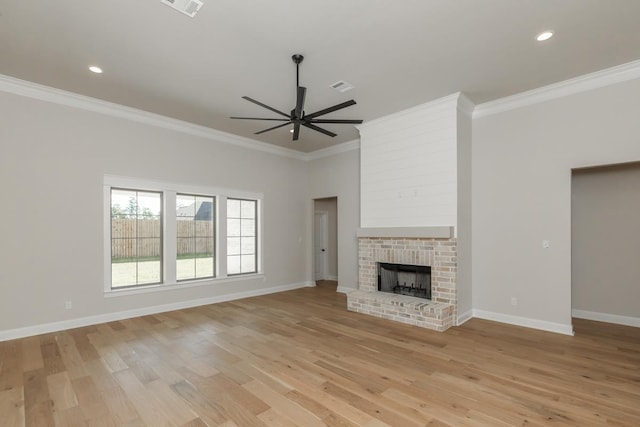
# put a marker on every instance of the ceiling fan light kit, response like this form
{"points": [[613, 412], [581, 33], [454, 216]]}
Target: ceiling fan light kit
{"points": [[297, 117]]}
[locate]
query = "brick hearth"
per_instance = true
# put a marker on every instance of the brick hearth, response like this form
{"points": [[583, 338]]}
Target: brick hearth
{"points": [[439, 253]]}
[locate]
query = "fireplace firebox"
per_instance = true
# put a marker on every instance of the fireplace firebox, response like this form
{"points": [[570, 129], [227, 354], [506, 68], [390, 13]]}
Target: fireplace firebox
{"points": [[404, 279]]}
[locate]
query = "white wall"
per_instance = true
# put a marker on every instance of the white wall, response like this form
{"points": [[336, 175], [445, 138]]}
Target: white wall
{"points": [[522, 161], [409, 167], [52, 162], [605, 228], [338, 176]]}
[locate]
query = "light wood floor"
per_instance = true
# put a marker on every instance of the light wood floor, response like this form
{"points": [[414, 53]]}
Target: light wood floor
{"points": [[299, 358]]}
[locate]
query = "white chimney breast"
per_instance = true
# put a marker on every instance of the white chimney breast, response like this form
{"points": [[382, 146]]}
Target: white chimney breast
{"points": [[408, 170]]}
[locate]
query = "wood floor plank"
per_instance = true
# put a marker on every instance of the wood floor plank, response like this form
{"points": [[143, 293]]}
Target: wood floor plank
{"points": [[38, 405], [12, 407], [61, 391], [300, 358], [31, 354], [122, 410], [286, 407]]}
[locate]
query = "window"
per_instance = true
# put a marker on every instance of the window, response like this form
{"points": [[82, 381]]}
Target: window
{"points": [[136, 237], [195, 227], [162, 235], [242, 235]]}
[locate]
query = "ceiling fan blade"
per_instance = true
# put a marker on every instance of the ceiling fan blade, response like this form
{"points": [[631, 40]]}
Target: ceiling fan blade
{"points": [[296, 131], [345, 121], [275, 127], [266, 106], [319, 129], [259, 118], [331, 109], [302, 91]]}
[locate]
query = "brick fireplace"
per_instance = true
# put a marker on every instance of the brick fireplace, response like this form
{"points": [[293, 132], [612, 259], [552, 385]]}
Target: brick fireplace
{"points": [[440, 253]]}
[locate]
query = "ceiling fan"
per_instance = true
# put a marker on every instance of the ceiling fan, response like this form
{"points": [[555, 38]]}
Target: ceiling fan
{"points": [[297, 117]]}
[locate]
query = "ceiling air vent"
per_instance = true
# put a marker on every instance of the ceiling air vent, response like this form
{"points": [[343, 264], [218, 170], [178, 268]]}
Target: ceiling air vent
{"points": [[188, 7], [342, 86]]}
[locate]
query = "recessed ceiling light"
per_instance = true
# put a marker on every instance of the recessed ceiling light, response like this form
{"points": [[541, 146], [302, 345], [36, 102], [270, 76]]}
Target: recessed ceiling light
{"points": [[95, 69], [546, 35], [291, 130]]}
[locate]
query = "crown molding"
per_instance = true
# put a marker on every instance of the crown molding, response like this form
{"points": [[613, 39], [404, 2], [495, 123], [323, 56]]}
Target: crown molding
{"points": [[465, 105], [70, 99], [446, 101], [333, 150], [598, 79]]}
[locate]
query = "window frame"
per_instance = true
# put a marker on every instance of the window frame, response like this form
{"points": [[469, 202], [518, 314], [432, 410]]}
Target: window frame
{"points": [[256, 237], [137, 217], [214, 202], [169, 191]]}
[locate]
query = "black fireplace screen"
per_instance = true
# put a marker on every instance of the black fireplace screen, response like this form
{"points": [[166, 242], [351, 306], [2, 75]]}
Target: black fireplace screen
{"points": [[403, 279]]}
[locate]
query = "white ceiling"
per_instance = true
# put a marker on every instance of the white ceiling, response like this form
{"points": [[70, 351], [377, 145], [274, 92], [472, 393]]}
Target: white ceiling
{"points": [[397, 53]]}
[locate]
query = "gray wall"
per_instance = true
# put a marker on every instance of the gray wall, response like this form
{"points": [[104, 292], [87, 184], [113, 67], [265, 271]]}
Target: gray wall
{"points": [[52, 162], [522, 161], [605, 229], [339, 176]]}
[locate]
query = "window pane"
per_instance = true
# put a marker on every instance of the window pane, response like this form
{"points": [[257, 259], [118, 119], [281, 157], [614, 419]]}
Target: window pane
{"points": [[233, 227], [233, 208], [195, 236], [149, 272], [148, 226], [248, 209], [185, 269], [233, 264], [123, 274], [185, 206], [233, 245], [248, 227], [204, 267], [247, 245], [185, 227], [248, 264], [149, 203]]}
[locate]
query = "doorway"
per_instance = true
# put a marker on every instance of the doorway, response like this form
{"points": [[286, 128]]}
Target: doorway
{"points": [[325, 239], [605, 243]]}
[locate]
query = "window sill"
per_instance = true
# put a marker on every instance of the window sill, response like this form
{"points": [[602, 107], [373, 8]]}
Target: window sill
{"points": [[112, 293]]}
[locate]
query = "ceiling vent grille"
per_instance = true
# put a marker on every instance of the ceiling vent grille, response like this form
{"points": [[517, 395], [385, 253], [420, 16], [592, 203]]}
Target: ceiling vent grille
{"points": [[188, 7], [342, 86]]}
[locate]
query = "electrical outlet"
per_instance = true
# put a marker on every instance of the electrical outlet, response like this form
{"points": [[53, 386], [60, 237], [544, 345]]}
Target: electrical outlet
{"points": [[546, 244], [514, 301], [68, 305]]}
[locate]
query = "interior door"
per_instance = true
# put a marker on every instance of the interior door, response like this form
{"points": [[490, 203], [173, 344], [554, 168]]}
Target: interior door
{"points": [[320, 238]]}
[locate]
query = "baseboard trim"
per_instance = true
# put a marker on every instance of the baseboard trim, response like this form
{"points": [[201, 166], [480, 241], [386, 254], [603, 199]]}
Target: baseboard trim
{"points": [[345, 289], [606, 317], [543, 325], [334, 278], [462, 318], [28, 331]]}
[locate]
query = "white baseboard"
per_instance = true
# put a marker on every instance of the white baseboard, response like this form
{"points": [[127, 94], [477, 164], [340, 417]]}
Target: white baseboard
{"points": [[334, 278], [144, 311], [543, 325], [606, 317], [464, 317], [345, 289]]}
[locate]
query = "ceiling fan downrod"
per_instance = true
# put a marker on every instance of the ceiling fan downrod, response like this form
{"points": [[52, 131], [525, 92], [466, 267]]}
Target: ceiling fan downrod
{"points": [[297, 59]]}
